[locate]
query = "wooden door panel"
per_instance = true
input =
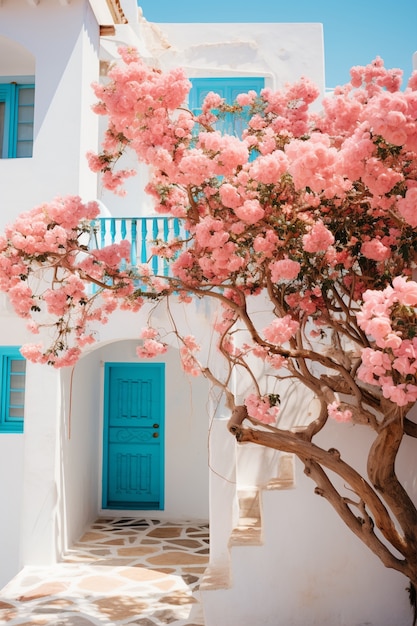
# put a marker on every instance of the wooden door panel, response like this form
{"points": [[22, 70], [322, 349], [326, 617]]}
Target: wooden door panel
{"points": [[134, 476], [133, 448]]}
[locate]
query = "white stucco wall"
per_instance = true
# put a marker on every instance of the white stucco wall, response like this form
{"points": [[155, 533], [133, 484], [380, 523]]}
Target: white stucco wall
{"points": [[12, 453], [283, 53], [41, 534], [63, 39], [11, 491], [81, 438], [310, 570], [58, 44]]}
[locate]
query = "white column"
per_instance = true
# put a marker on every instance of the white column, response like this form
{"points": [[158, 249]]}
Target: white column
{"points": [[42, 473], [222, 488]]}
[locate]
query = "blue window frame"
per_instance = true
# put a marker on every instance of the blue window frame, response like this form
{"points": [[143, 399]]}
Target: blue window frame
{"points": [[16, 120], [228, 88], [12, 389]]}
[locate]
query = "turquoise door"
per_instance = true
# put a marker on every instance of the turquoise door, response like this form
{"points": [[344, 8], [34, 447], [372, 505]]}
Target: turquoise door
{"points": [[133, 443]]}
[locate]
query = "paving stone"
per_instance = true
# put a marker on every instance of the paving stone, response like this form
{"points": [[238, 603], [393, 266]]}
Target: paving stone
{"points": [[74, 620], [114, 561], [101, 552], [166, 584], [120, 607], [125, 571], [189, 579], [137, 551], [101, 584], [40, 622], [90, 537], [179, 598], [187, 543], [80, 558], [166, 617], [57, 603], [47, 589], [195, 570], [143, 574], [6, 615], [5, 605], [165, 532], [176, 558]]}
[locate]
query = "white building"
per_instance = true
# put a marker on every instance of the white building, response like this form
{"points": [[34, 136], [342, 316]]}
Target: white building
{"points": [[300, 566]]}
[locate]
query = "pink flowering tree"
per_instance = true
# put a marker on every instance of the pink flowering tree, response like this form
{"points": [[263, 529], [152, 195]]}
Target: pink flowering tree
{"points": [[310, 218]]}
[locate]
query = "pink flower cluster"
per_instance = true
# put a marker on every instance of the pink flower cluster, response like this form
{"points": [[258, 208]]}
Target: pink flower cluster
{"points": [[189, 362], [50, 226], [314, 164], [285, 269], [152, 346], [50, 242], [389, 319], [407, 206], [318, 238], [280, 330], [376, 250], [261, 409], [335, 412]]}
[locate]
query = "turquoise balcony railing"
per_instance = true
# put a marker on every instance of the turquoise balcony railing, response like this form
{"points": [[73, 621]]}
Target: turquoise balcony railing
{"points": [[141, 232]]}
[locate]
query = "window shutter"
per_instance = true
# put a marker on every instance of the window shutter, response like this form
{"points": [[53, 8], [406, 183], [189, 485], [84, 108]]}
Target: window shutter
{"points": [[228, 88], [16, 120], [13, 383]]}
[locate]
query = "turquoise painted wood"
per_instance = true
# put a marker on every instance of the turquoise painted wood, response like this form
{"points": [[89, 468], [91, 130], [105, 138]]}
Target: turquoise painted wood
{"points": [[16, 120], [12, 389], [228, 88], [142, 232], [133, 443]]}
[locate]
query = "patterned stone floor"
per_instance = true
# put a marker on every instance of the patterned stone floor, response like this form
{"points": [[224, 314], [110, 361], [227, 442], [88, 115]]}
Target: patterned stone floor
{"points": [[121, 572]]}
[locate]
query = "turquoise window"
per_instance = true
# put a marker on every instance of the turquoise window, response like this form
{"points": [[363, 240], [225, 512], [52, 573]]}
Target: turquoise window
{"points": [[228, 88], [13, 383], [16, 120]]}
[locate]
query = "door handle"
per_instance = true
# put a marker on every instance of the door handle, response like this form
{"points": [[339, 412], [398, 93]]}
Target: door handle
{"points": [[156, 425], [155, 435]]}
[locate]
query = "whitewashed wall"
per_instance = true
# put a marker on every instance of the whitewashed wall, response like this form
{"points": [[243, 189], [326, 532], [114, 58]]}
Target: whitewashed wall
{"points": [[59, 45], [12, 449], [11, 492], [310, 569], [62, 46]]}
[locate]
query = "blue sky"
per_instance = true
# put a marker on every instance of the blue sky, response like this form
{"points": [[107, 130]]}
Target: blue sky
{"points": [[355, 32]]}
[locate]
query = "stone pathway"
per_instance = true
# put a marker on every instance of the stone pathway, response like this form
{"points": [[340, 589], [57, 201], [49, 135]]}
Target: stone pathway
{"points": [[121, 572]]}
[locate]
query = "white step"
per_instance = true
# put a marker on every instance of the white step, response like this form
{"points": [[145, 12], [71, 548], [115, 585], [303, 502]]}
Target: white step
{"points": [[248, 531]]}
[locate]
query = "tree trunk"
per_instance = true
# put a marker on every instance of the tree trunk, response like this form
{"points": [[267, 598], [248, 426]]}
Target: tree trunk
{"points": [[374, 509]]}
